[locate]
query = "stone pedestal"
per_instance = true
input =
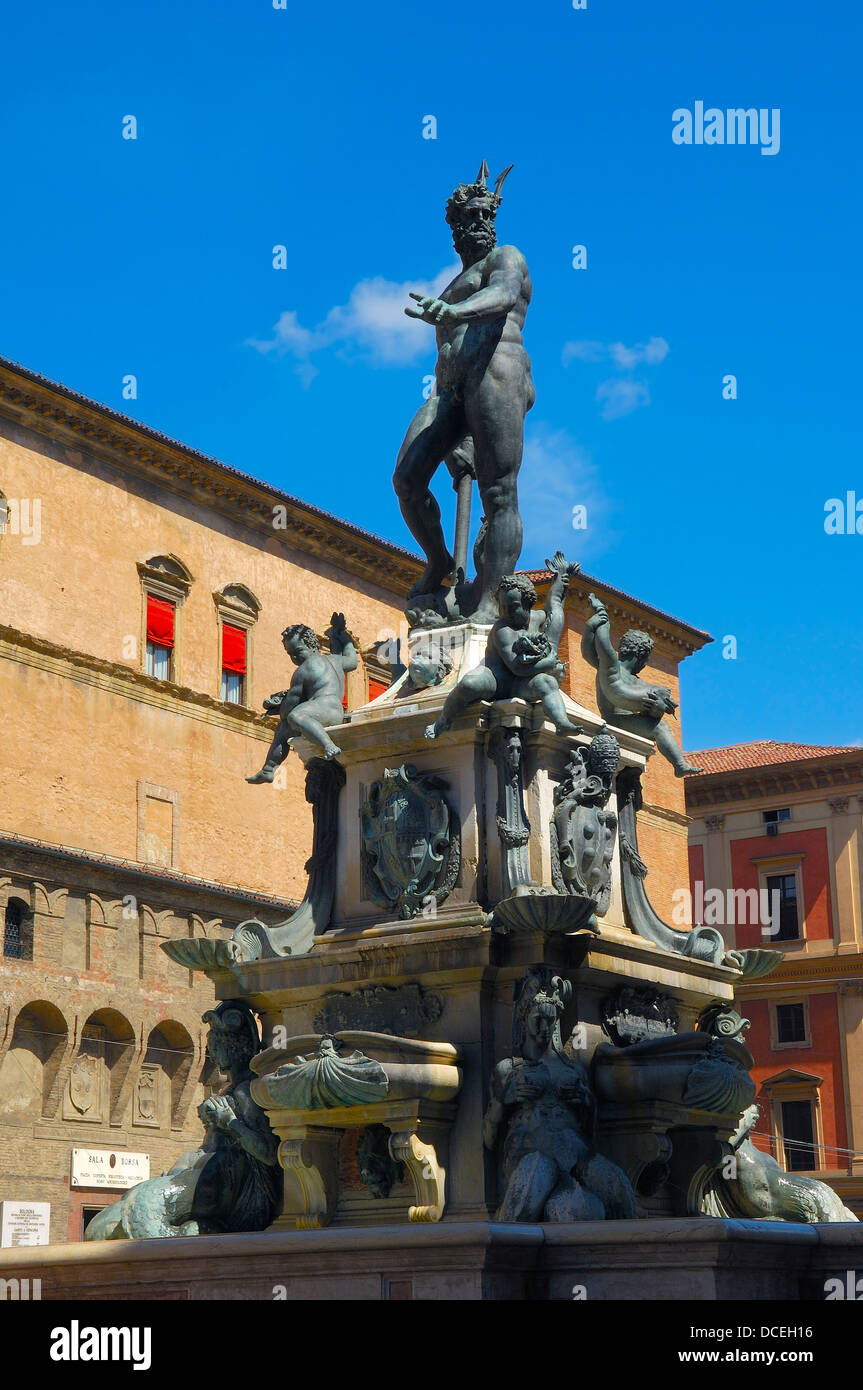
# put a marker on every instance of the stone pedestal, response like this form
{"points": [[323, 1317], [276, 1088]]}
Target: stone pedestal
{"points": [[654, 1260], [437, 965], [455, 872], [466, 973]]}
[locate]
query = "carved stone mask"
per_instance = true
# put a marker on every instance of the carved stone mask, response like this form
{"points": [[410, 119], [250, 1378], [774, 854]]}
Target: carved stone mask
{"points": [[424, 671]]}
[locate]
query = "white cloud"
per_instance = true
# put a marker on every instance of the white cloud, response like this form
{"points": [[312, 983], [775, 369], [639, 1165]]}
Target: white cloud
{"points": [[372, 322], [653, 351], [618, 395], [558, 475], [587, 350], [621, 395]]}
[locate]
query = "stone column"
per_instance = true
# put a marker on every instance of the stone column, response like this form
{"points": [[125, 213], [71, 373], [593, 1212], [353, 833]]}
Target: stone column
{"points": [[850, 1001], [844, 832]]}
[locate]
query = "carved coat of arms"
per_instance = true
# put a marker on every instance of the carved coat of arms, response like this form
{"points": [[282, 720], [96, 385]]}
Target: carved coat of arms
{"points": [[583, 831], [84, 1083], [411, 844], [146, 1095]]}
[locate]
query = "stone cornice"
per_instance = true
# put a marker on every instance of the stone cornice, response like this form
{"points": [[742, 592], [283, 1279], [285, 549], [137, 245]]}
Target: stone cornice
{"points": [[777, 779], [665, 813], [74, 421], [804, 969], [130, 683], [82, 870]]}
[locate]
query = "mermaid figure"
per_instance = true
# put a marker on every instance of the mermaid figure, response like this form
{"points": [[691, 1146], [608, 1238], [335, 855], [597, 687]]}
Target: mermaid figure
{"points": [[233, 1182]]}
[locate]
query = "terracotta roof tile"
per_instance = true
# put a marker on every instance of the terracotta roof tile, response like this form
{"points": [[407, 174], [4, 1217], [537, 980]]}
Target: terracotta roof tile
{"points": [[587, 580], [764, 752]]}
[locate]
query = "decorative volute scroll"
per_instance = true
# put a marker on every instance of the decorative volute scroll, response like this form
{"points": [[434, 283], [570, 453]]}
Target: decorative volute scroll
{"points": [[295, 935], [254, 940], [506, 747], [427, 1173], [700, 942]]}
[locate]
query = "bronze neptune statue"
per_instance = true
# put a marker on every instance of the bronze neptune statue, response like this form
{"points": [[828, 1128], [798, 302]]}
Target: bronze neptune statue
{"points": [[476, 415]]}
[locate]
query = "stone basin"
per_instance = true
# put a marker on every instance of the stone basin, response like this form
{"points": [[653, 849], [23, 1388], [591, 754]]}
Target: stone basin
{"points": [[376, 1065], [693, 1070]]}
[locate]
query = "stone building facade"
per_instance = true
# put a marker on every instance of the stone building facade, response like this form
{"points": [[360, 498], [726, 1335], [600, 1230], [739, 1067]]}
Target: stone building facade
{"points": [[143, 591], [777, 829]]}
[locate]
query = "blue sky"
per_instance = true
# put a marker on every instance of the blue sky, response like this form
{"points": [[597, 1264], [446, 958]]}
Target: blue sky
{"points": [[304, 127]]}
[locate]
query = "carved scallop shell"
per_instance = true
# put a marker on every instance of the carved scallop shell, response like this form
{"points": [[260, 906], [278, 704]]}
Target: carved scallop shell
{"points": [[327, 1080], [554, 914]]}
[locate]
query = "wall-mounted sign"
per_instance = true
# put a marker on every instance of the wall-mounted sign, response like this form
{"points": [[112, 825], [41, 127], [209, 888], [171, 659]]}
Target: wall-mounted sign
{"points": [[108, 1168], [25, 1223]]}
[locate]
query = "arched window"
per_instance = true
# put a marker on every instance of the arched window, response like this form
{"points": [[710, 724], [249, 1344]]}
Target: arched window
{"points": [[165, 582], [237, 611], [18, 930], [29, 1070], [95, 1085], [163, 1093]]}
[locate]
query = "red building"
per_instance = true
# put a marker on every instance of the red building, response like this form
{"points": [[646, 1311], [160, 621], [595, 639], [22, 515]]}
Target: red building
{"points": [[776, 859]]}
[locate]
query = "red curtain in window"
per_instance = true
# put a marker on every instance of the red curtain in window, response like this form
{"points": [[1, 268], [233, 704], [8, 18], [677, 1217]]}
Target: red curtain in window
{"points": [[233, 649], [376, 688], [160, 621]]}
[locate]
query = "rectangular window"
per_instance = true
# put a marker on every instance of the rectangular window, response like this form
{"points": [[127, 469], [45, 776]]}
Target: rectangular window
{"points": [[17, 934], [790, 1023], [773, 819], [158, 662], [233, 663], [160, 637], [232, 687], [376, 688], [789, 922], [798, 1136]]}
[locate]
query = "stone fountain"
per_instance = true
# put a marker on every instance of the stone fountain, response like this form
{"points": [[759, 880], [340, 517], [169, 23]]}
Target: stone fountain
{"points": [[487, 1067]]}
